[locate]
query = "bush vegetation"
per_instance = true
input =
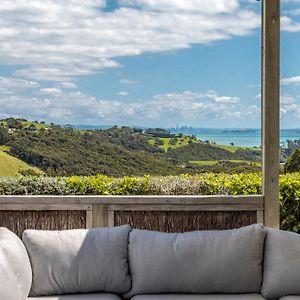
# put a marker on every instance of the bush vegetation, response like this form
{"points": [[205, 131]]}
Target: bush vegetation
{"points": [[203, 184], [116, 151]]}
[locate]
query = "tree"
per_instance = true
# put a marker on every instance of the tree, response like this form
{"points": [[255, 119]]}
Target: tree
{"points": [[231, 144], [3, 135], [14, 123], [293, 162]]}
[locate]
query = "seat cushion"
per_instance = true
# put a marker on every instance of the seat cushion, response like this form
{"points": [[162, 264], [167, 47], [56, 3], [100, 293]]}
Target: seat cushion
{"points": [[281, 264], [199, 297], [202, 262], [290, 298], [15, 269], [79, 261], [101, 296]]}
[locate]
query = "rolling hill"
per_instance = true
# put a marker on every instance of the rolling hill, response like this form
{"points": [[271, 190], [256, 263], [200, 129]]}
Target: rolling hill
{"points": [[116, 151], [10, 166]]}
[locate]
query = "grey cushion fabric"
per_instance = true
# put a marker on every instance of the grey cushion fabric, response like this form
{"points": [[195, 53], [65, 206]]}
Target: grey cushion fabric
{"points": [[15, 269], [79, 261], [281, 264], [101, 296], [290, 298], [199, 297], [202, 262]]}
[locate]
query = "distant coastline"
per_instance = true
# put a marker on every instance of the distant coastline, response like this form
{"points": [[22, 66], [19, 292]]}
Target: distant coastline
{"points": [[246, 137]]}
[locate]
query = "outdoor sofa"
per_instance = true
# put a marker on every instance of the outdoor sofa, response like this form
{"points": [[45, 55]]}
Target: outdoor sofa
{"points": [[250, 263]]}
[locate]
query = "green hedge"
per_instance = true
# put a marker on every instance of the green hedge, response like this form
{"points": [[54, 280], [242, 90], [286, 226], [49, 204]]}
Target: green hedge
{"points": [[203, 184]]}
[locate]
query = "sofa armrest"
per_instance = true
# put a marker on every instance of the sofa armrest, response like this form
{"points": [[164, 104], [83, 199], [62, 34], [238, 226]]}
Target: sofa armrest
{"points": [[15, 268]]}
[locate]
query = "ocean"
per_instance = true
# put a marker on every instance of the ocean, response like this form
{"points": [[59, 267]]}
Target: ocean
{"points": [[240, 137]]}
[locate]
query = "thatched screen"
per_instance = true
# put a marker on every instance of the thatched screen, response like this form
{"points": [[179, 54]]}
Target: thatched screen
{"points": [[18, 221], [180, 221]]}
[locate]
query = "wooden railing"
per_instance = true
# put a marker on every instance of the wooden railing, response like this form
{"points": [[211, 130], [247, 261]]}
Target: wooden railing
{"points": [[163, 213]]}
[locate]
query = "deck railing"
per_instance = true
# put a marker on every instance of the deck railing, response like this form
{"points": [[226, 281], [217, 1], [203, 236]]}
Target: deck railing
{"points": [[163, 213]]}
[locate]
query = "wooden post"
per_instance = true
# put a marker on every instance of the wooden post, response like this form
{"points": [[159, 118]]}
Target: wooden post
{"points": [[100, 217], [271, 110]]}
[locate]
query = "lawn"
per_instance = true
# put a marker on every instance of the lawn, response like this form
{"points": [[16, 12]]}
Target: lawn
{"points": [[10, 166], [214, 162], [181, 141], [232, 148]]}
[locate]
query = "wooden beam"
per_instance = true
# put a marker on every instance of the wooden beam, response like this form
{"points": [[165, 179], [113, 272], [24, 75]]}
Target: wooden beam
{"points": [[270, 110], [99, 217], [122, 200]]}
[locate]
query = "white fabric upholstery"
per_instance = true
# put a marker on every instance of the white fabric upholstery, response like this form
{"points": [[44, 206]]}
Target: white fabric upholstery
{"points": [[79, 261], [199, 262], [281, 264], [101, 296], [199, 297], [15, 269]]}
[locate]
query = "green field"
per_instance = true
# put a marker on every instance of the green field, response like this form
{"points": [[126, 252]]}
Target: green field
{"points": [[28, 123], [214, 162], [37, 125], [10, 166], [181, 141], [232, 148]]}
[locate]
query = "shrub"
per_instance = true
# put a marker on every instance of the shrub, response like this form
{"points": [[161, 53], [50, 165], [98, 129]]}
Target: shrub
{"points": [[201, 184]]}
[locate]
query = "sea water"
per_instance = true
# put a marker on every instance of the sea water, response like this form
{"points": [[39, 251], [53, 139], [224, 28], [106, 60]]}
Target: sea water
{"points": [[239, 137]]}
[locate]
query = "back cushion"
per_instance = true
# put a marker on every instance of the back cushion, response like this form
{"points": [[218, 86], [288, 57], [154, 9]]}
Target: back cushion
{"points": [[281, 264], [202, 262], [15, 269], [79, 261]]}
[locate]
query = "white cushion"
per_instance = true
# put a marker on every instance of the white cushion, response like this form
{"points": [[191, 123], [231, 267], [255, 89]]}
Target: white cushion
{"points": [[15, 269], [281, 264], [101, 296], [199, 297], [199, 262], [79, 261]]}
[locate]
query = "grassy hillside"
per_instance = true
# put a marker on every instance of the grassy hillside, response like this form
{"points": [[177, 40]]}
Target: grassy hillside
{"points": [[199, 151], [117, 151], [10, 166], [27, 124], [62, 151], [172, 143], [214, 162], [184, 148]]}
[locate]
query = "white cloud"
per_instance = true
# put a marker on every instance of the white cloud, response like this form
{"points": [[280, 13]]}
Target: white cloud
{"points": [[253, 112], [291, 1], [293, 12], [295, 80], [193, 6], [162, 109], [128, 81], [227, 99], [5, 91], [123, 93], [50, 91], [67, 85], [289, 25], [57, 40], [17, 84], [65, 72], [286, 100]]}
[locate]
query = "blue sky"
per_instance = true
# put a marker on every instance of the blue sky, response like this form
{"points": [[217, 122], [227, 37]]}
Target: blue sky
{"points": [[142, 62]]}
